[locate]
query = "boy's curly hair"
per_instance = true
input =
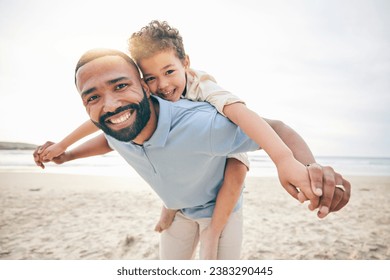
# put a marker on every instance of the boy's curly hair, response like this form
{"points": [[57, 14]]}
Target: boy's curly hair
{"points": [[155, 37]]}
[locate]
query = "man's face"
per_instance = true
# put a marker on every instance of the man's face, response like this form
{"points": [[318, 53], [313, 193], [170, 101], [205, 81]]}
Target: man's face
{"points": [[114, 97]]}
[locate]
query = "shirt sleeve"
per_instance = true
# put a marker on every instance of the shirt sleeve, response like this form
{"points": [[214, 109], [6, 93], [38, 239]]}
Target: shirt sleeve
{"points": [[227, 138], [203, 87]]}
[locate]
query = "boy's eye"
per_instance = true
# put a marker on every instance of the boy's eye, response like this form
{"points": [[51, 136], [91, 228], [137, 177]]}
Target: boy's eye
{"points": [[149, 79], [169, 72]]}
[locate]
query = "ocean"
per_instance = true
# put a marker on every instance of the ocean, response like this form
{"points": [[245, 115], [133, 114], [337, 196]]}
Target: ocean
{"points": [[113, 165]]}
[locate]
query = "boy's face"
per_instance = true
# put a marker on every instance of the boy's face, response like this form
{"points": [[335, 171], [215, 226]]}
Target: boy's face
{"points": [[165, 74]]}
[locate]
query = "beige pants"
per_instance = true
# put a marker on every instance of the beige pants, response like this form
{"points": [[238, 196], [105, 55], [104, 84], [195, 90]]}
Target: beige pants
{"points": [[180, 240]]}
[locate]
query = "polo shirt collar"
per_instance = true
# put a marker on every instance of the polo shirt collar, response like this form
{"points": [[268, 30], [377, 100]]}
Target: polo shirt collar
{"points": [[161, 133]]}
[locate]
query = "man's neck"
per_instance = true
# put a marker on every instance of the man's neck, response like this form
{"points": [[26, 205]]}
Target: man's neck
{"points": [[151, 125]]}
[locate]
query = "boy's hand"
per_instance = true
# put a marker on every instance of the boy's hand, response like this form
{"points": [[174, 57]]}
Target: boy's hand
{"points": [[209, 244], [166, 219], [295, 179], [52, 151]]}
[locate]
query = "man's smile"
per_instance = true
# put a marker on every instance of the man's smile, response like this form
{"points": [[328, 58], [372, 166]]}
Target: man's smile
{"points": [[120, 117], [120, 120]]}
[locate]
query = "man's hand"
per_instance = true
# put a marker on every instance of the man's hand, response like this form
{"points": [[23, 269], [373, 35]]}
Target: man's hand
{"points": [[336, 190], [39, 158]]}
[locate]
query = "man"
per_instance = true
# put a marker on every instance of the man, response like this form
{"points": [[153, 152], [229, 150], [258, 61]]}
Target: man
{"points": [[179, 148]]}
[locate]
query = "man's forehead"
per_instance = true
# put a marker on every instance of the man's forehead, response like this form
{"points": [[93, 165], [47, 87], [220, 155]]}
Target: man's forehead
{"points": [[107, 62], [105, 68]]}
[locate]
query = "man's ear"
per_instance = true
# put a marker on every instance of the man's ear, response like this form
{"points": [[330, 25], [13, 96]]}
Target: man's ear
{"points": [[145, 88]]}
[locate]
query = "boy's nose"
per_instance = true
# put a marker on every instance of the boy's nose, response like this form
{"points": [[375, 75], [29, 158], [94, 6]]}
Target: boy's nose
{"points": [[163, 84]]}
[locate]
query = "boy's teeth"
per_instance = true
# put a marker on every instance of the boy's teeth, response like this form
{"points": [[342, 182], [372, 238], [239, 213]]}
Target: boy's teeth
{"points": [[122, 118]]}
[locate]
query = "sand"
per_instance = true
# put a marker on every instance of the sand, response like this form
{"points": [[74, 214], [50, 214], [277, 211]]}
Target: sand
{"points": [[74, 217]]}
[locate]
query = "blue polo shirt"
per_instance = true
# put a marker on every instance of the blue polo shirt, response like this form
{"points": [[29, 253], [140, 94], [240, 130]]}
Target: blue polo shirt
{"points": [[185, 158]]}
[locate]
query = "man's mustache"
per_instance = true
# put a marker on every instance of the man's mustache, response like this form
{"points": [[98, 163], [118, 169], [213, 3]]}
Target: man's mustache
{"points": [[103, 118]]}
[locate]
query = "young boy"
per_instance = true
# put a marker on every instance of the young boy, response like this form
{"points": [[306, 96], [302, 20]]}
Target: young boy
{"points": [[159, 52]]}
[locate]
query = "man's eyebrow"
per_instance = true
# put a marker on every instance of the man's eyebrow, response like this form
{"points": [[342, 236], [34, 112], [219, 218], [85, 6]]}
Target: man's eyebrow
{"points": [[113, 81], [88, 91]]}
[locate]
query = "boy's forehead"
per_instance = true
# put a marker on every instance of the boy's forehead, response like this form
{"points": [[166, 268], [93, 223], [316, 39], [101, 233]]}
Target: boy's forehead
{"points": [[158, 60]]}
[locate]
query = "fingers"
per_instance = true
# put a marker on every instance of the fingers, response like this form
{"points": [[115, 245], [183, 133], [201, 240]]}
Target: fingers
{"points": [[44, 146], [315, 174], [330, 180], [314, 202], [301, 197], [337, 198], [345, 196], [294, 192], [337, 192], [37, 159], [46, 156], [37, 154]]}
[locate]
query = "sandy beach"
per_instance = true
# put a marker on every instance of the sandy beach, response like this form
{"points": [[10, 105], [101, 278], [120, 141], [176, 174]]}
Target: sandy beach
{"points": [[73, 217]]}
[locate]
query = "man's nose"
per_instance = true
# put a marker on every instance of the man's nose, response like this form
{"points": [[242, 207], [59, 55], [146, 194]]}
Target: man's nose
{"points": [[111, 103]]}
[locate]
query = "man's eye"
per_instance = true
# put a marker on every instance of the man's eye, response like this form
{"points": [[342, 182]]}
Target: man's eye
{"points": [[121, 86], [92, 98]]}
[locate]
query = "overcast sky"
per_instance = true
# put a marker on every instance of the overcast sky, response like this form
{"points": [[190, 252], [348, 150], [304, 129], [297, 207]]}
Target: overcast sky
{"points": [[322, 67]]}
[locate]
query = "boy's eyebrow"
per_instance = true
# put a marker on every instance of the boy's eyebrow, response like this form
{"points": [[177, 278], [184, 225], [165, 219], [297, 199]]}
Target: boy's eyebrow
{"points": [[110, 82], [165, 67]]}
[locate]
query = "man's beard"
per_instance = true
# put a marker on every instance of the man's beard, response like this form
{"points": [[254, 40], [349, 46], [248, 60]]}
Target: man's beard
{"points": [[142, 111]]}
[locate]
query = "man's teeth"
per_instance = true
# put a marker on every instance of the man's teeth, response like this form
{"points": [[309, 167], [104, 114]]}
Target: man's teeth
{"points": [[121, 119]]}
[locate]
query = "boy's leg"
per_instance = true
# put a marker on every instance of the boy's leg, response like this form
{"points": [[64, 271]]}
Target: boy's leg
{"points": [[180, 240], [229, 242], [227, 198], [166, 219]]}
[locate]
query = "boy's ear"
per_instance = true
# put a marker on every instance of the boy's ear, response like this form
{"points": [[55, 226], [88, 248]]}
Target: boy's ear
{"points": [[186, 62]]}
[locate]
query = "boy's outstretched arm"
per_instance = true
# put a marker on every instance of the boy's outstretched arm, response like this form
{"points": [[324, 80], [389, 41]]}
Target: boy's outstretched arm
{"points": [[322, 178], [57, 149], [293, 175], [93, 147]]}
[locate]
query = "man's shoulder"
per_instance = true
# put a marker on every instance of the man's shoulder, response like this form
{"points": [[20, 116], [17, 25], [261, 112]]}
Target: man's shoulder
{"points": [[184, 104], [190, 104], [187, 109]]}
